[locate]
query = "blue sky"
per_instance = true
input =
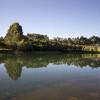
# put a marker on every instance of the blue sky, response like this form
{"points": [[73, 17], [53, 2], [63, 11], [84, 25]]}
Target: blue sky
{"points": [[56, 18]]}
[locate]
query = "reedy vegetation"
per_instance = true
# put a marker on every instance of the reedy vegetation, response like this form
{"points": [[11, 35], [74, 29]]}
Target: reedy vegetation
{"points": [[16, 41]]}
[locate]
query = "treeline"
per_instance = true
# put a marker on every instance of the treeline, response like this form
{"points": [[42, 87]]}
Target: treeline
{"points": [[16, 41]]}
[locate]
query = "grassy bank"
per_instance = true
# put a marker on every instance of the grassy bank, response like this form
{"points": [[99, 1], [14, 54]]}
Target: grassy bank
{"points": [[63, 49]]}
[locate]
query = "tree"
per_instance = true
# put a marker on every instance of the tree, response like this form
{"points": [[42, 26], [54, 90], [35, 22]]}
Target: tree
{"points": [[95, 40], [34, 36], [2, 44], [14, 34]]}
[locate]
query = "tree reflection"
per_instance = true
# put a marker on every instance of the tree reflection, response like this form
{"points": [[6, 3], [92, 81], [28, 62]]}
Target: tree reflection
{"points": [[14, 63], [13, 68]]}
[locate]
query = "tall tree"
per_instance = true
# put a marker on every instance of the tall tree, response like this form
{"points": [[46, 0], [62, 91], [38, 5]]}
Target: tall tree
{"points": [[14, 34]]}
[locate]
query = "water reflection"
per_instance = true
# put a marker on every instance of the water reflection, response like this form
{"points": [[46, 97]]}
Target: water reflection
{"points": [[15, 63]]}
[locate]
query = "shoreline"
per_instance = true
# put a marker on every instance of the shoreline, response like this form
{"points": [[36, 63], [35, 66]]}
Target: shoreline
{"points": [[45, 51]]}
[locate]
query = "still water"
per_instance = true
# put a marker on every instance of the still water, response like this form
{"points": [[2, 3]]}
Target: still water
{"points": [[50, 76]]}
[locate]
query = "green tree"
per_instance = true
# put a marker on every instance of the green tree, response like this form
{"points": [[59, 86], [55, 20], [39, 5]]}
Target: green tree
{"points": [[2, 44], [14, 34], [95, 40]]}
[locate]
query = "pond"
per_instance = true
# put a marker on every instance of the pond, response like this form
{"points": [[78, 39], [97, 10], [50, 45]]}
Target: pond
{"points": [[50, 76]]}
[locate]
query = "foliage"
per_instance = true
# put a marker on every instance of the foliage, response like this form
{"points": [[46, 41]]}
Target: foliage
{"points": [[15, 40], [14, 34]]}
